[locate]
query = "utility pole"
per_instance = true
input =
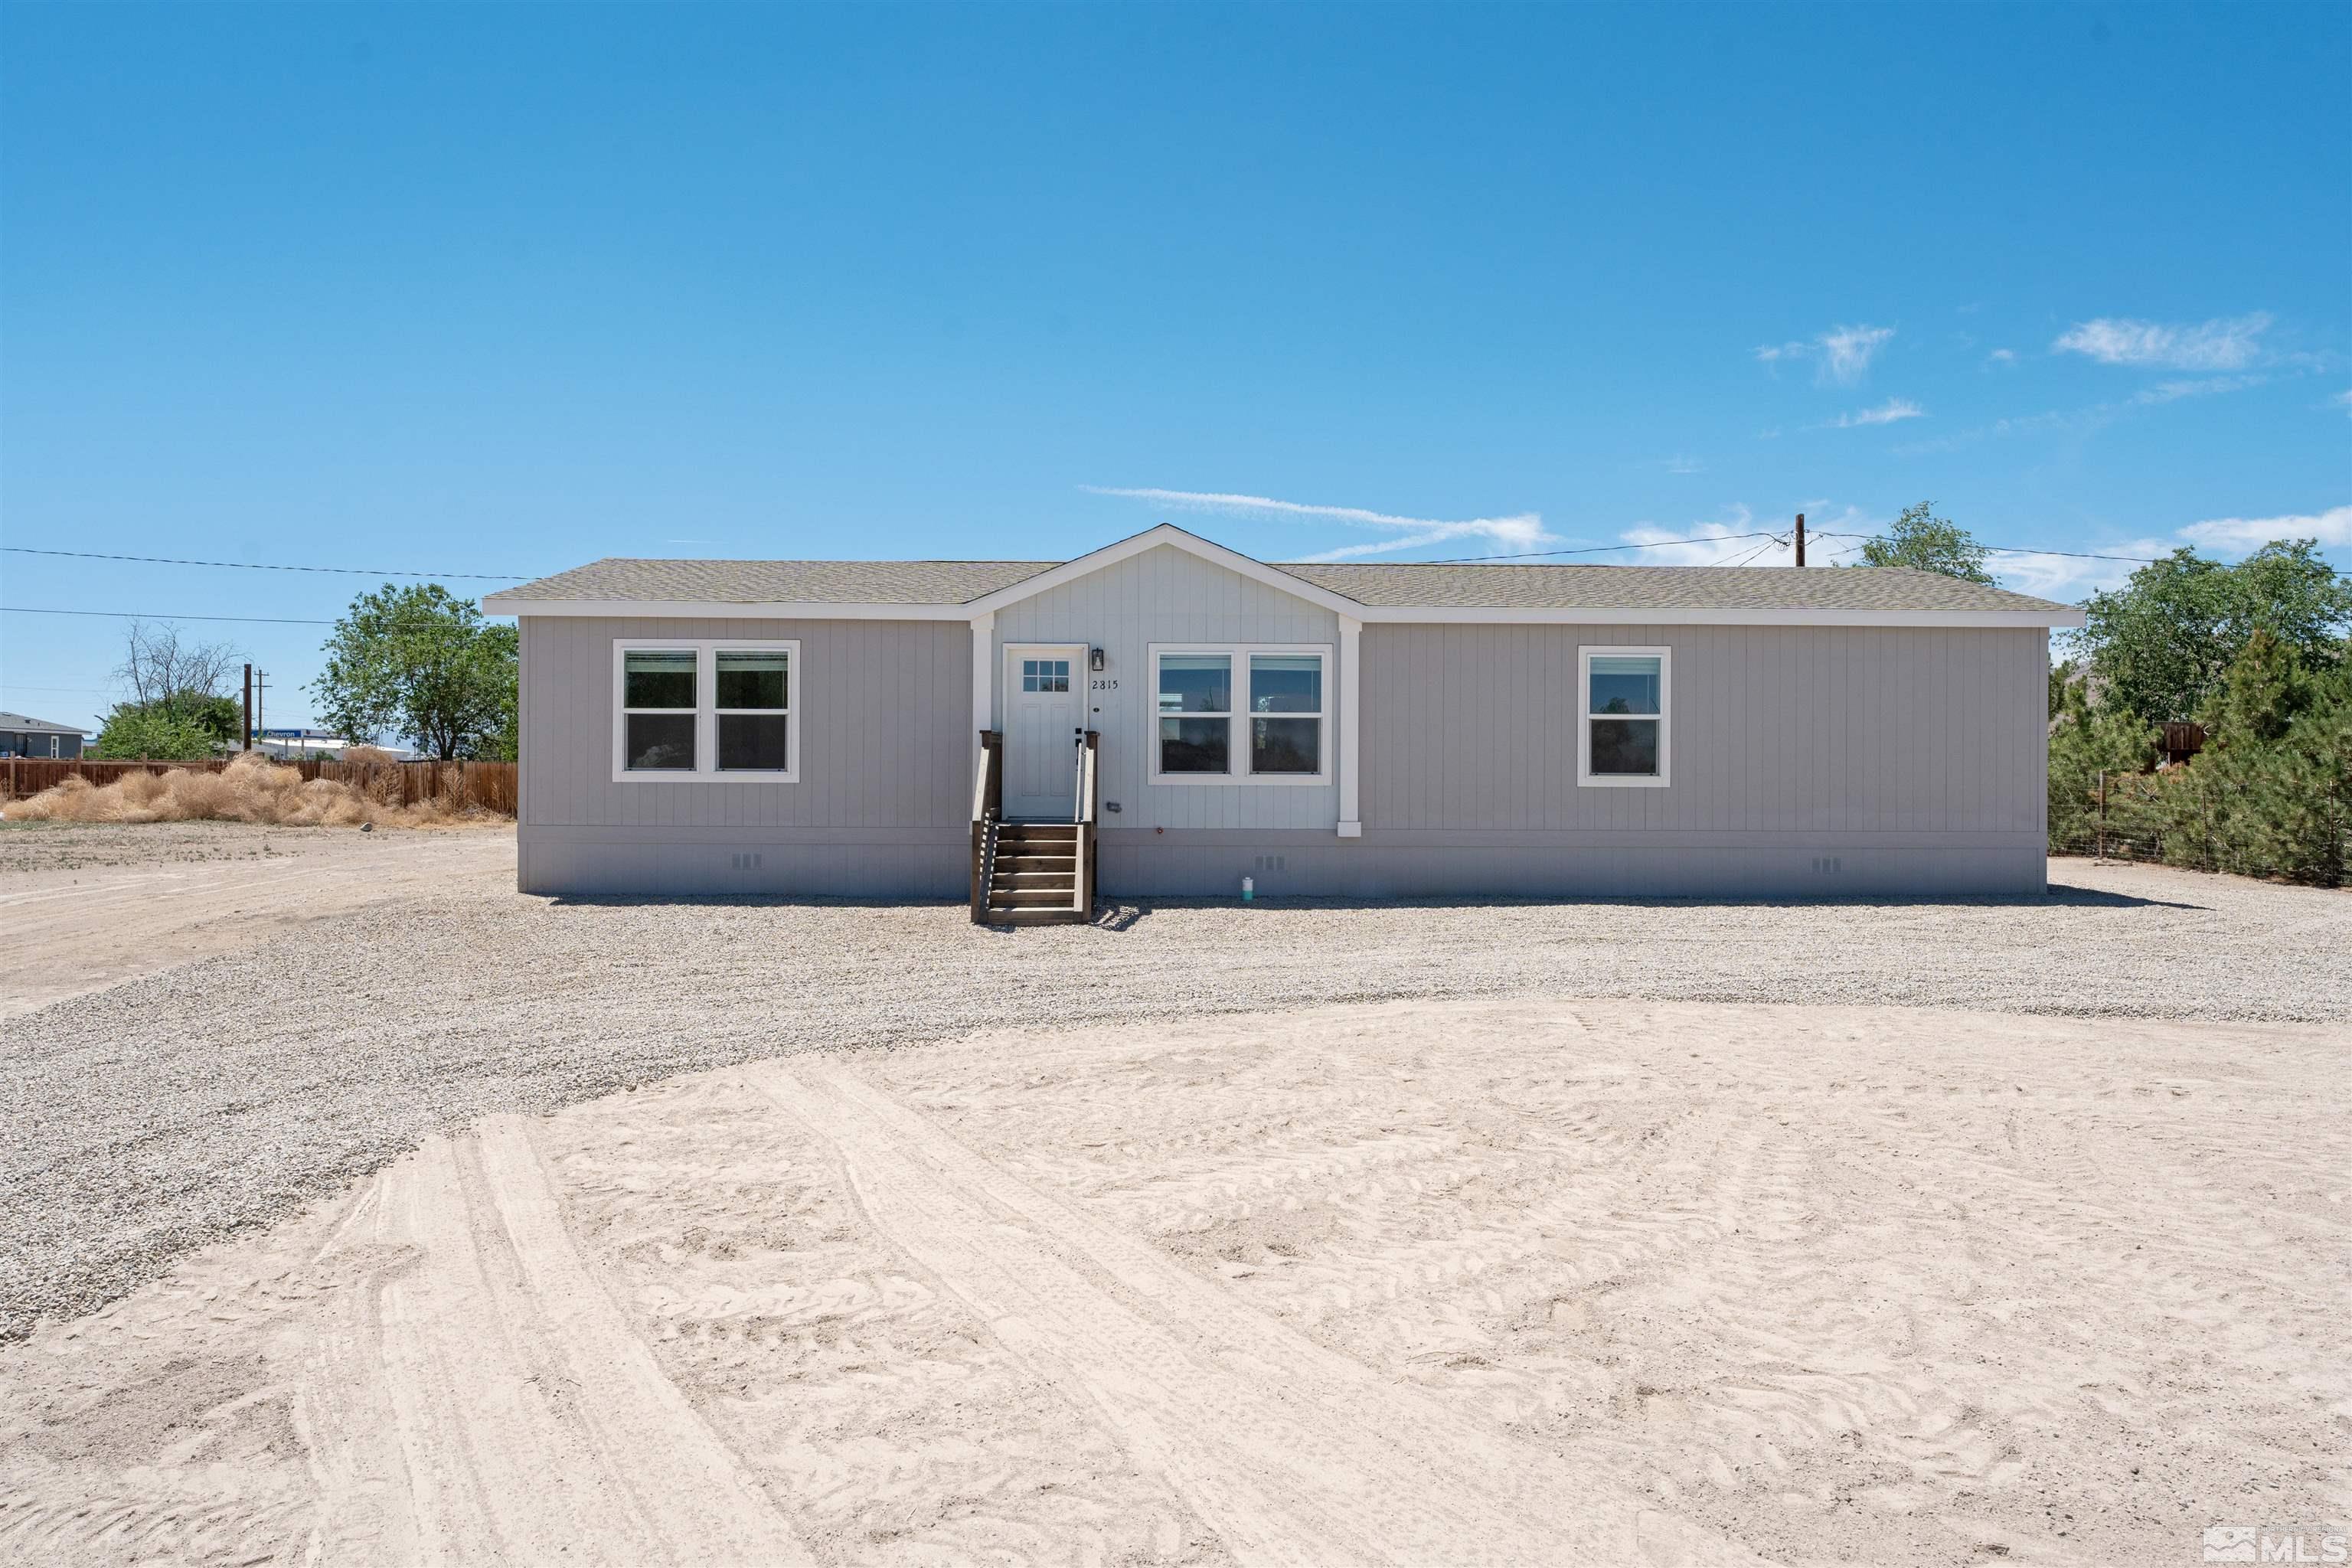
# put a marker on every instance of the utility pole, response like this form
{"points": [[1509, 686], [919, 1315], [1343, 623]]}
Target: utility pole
{"points": [[248, 706], [1800, 539]]}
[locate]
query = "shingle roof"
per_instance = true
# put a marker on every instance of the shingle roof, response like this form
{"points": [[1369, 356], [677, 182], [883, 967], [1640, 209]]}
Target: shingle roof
{"points": [[783, 581], [18, 723], [1537, 587], [1381, 583]]}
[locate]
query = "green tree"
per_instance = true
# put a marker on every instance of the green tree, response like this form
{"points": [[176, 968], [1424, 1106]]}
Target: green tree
{"points": [[2160, 644], [2258, 697], [1930, 544], [421, 664], [2085, 742], [155, 731]]}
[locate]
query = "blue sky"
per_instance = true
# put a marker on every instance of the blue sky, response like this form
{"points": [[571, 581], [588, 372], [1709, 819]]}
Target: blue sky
{"points": [[503, 290]]}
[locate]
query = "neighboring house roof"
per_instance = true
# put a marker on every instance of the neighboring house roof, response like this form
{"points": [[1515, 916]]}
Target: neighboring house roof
{"points": [[1375, 591], [16, 723]]}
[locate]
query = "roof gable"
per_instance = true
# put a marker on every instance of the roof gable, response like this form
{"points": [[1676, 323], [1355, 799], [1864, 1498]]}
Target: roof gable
{"points": [[1168, 534]]}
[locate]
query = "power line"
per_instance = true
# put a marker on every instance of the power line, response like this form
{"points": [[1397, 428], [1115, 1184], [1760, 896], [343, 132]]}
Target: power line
{"points": [[1745, 557], [266, 566], [2014, 549], [136, 615], [1599, 549]]}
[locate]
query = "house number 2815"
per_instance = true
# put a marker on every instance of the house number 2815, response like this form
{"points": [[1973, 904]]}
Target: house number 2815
{"points": [[1110, 685]]}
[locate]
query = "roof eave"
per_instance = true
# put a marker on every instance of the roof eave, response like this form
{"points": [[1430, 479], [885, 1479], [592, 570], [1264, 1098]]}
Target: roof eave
{"points": [[726, 609], [1472, 614]]}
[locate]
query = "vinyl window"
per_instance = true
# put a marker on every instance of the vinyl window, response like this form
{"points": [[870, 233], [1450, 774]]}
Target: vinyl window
{"points": [[1624, 737], [708, 709], [1241, 714]]}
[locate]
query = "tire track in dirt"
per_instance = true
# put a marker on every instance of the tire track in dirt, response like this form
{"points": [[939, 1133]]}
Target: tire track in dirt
{"points": [[531, 1423], [1291, 1452]]}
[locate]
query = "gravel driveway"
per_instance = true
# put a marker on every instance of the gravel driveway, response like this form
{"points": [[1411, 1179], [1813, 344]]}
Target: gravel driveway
{"points": [[169, 1111]]}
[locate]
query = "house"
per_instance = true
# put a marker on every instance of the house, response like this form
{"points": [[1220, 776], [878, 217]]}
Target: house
{"points": [[23, 736], [305, 745], [1166, 716]]}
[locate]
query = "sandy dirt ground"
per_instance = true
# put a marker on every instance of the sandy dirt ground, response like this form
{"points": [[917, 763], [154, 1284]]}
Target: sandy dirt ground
{"points": [[91, 905], [1424, 1282]]}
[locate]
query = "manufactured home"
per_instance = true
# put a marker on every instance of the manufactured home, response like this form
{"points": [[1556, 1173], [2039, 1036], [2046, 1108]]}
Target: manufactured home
{"points": [[1166, 717]]}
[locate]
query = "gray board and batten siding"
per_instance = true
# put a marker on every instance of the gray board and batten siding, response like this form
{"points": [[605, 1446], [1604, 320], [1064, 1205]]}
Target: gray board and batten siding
{"points": [[1853, 759], [881, 808]]}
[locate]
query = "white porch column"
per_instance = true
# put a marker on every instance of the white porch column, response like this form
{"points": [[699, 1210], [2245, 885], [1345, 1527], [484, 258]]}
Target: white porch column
{"points": [[983, 682], [1351, 708]]}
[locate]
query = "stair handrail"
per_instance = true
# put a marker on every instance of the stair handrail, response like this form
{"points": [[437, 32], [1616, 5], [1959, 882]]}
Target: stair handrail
{"points": [[1082, 885], [987, 805], [987, 781]]}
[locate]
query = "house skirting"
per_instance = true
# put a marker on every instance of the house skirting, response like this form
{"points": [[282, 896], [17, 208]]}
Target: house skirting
{"points": [[935, 863]]}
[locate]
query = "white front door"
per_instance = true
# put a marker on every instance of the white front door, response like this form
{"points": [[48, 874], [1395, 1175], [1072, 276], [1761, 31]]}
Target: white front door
{"points": [[1044, 713]]}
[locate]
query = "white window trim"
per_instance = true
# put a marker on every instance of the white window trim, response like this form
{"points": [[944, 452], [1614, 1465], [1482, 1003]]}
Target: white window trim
{"points": [[1237, 745], [706, 709], [1585, 777]]}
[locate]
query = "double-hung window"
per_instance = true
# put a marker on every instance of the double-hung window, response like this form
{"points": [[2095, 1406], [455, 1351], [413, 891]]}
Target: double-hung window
{"points": [[706, 709], [1240, 714], [1622, 721]]}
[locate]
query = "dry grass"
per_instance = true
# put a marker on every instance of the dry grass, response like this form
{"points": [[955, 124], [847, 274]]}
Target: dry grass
{"points": [[250, 789], [368, 754]]}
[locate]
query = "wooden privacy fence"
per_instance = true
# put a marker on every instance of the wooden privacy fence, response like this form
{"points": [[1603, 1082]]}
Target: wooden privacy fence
{"points": [[490, 785]]}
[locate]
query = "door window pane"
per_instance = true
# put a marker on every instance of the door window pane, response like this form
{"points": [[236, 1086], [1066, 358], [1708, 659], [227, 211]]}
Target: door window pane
{"points": [[1196, 683], [657, 678], [1194, 745], [1286, 746], [1625, 746], [661, 741], [1625, 684], [754, 742], [1046, 674], [1286, 683], [754, 681]]}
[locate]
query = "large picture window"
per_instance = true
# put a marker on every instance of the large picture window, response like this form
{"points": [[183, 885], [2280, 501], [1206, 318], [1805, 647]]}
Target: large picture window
{"points": [[706, 709], [1623, 736], [1240, 714]]}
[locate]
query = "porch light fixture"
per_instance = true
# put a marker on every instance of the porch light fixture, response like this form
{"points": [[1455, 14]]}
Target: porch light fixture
{"points": [[1095, 659]]}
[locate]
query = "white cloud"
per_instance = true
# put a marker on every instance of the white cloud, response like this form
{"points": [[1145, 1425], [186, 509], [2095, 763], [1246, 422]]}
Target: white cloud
{"points": [[1846, 351], [1524, 533], [1682, 464], [2343, 400], [2055, 576], [1696, 545], [1887, 413], [2223, 344], [2068, 577], [2002, 356], [1841, 356], [2173, 391], [2332, 527]]}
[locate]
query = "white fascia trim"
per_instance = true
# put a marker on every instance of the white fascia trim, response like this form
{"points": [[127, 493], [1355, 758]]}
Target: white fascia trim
{"points": [[1617, 617], [722, 610], [1386, 614], [1191, 544]]}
